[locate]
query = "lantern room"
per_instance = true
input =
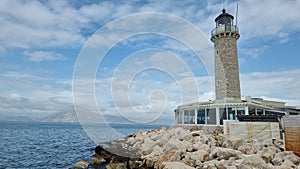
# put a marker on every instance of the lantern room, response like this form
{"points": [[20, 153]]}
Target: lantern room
{"points": [[224, 23]]}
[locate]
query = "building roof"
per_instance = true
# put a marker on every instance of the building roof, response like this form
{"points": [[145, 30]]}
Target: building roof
{"points": [[224, 14]]}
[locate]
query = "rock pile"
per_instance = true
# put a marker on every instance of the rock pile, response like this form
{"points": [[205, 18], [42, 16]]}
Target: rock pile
{"points": [[178, 148]]}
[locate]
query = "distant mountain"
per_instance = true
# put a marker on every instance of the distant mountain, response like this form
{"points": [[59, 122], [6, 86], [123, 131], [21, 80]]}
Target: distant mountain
{"points": [[63, 116], [15, 118], [69, 115]]}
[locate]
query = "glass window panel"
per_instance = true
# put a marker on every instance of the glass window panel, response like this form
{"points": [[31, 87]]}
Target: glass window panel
{"points": [[186, 116], [211, 116], [260, 112], [223, 115], [231, 113], [251, 111], [240, 110], [201, 116], [180, 117], [192, 116]]}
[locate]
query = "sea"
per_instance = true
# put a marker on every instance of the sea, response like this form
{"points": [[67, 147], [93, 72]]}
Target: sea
{"points": [[51, 145]]}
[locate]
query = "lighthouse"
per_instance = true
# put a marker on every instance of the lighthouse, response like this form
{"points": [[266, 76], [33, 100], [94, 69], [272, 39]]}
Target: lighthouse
{"points": [[228, 105], [225, 36]]}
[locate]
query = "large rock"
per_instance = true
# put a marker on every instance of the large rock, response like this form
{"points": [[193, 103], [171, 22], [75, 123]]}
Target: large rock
{"points": [[293, 158], [148, 146], [200, 155], [280, 157], [172, 155], [253, 161], [238, 143], [246, 149], [268, 153], [227, 144], [220, 139], [212, 164], [183, 148], [288, 164], [223, 153]]}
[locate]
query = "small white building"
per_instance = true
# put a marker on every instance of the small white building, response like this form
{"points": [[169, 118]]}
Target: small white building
{"points": [[213, 113]]}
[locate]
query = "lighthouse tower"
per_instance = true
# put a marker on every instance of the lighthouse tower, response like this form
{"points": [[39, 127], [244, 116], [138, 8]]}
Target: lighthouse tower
{"points": [[225, 36], [228, 104]]}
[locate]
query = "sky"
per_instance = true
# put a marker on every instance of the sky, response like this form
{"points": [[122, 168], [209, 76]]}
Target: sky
{"points": [[146, 74]]}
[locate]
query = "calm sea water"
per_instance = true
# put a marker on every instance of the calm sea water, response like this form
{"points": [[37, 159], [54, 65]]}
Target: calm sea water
{"points": [[49, 145]]}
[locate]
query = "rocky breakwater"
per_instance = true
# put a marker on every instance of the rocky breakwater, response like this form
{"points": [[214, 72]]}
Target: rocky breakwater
{"points": [[178, 148]]}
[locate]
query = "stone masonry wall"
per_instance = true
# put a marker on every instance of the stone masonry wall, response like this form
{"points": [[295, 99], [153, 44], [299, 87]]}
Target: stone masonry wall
{"points": [[227, 80]]}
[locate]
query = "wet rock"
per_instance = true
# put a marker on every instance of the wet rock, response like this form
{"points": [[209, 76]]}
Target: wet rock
{"points": [[116, 166], [97, 160], [102, 151], [81, 165], [135, 164]]}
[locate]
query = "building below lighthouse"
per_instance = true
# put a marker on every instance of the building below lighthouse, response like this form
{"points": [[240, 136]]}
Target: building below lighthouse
{"points": [[229, 105]]}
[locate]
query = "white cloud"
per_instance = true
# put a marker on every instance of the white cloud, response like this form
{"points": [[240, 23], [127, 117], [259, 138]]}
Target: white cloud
{"points": [[13, 75], [60, 23], [19, 98], [259, 19], [281, 84], [23, 95], [284, 37], [43, 27], [33, 24], [254, 52], [38, 56]]}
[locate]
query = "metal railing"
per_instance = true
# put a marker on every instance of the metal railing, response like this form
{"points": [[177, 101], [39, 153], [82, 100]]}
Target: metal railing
{"points": [[224, 28]]}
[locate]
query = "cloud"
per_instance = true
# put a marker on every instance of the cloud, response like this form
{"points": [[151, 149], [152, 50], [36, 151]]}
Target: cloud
{"points": [[20, 96], [68, 24], [40, 29], [254, 52], [13, 75], [48, 28], [280, 84], [38, 56], [268, 19]]}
